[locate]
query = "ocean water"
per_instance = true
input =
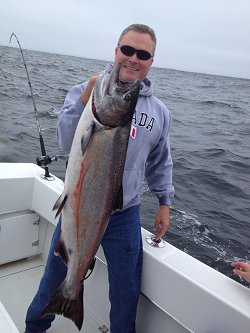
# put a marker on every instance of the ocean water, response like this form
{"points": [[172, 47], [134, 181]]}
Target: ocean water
{"points": [[210, 141]]}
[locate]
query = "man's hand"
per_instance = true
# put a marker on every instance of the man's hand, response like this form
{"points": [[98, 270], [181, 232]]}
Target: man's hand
{"points": [[242, 269], [161, 221], [88, 90]]}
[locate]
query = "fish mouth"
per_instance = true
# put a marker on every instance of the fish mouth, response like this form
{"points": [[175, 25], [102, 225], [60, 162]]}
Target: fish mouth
{"points": [[123, 86], [117, 85], [114, 100]]}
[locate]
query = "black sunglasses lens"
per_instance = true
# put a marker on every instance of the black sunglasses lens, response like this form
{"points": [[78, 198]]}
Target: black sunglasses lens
{"points": [[129, 51], [143, 55]]}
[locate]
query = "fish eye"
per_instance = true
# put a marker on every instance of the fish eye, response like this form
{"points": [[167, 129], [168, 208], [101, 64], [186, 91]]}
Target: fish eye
{"points": [[127, 97]]}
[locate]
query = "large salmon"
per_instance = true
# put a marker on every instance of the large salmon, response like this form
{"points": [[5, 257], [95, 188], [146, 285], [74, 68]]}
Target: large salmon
{"points": [[93, 185]]}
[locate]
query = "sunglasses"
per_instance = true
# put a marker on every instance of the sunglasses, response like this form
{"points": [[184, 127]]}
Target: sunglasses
{"points": [[129, 51]]}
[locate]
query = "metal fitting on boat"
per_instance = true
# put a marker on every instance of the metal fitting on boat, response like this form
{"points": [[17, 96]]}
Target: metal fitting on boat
{"points": [[155, 243]]}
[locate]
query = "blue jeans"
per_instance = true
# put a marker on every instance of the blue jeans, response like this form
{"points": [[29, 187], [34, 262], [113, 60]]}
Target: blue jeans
{"points": [[122, 247]]}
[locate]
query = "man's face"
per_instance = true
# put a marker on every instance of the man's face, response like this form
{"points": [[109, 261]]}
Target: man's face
{"points": [[134, 68]]}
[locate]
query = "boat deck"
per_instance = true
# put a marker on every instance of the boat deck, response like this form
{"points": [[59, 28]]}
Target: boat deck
{"points": [[14, 279]]}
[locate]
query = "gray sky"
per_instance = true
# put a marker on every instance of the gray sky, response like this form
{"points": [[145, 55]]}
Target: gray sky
{"points": [[207, 36]]}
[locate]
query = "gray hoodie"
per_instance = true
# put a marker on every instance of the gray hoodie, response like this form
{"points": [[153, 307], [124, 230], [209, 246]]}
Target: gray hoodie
{"points": [[148, 154]]}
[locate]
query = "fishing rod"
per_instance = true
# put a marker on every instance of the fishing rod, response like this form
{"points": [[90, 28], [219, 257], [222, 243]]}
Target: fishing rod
{"points": [[43, 160]]}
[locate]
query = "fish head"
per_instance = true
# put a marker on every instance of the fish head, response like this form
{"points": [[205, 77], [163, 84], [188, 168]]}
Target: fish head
{"points": [[115, 100]]}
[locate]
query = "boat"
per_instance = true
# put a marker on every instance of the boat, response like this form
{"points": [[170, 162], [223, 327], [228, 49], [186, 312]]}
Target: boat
{"points": [[179, 294]]}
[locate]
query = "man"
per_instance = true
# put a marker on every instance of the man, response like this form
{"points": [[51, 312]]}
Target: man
{"points": [[148, 156]]}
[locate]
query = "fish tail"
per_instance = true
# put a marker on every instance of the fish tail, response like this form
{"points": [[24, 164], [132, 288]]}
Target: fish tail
{"points": [[71, 309]]}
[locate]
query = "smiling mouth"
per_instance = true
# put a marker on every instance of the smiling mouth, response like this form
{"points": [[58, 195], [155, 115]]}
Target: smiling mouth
{"points": [[133, 69]]}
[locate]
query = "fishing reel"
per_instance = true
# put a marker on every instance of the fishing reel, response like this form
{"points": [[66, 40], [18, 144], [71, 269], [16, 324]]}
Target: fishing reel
{"points": [[45, 160]]}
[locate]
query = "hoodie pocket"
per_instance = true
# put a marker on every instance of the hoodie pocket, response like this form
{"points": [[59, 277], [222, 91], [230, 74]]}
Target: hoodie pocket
{"points": [[132, 186]]}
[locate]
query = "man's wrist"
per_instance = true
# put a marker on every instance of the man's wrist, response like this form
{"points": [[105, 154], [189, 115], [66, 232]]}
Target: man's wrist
{"points": [[163, 201]]}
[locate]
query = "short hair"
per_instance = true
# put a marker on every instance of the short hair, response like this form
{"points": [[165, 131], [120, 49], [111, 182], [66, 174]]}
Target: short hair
{"points": [[142, 28]]}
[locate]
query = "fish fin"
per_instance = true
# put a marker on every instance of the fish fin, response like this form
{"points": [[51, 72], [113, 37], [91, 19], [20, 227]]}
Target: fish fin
{"points": [[86, 137], [119, 199], [60, 249], [60, 202], [84, 145], [71, 309]]}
